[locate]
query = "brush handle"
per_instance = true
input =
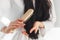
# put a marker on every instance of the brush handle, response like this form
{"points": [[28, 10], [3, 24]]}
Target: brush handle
{"points": [[27, 15], [24, 18]]}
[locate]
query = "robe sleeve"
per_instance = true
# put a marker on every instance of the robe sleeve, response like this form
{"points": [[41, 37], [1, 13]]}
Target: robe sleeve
{"points": [[50, 23]]}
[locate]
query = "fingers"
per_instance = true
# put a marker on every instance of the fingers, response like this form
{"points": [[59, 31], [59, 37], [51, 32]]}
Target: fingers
{"points": [[18, 21], [17, 24], [35, 28], [32, 30], [13, 25]]}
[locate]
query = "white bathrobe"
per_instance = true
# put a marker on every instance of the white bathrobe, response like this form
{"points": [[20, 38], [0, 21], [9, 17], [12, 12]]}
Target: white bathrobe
{"points": [[14, 9]]}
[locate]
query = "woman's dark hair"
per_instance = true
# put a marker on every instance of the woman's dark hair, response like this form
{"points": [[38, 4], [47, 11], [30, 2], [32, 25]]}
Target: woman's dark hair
{"points": [[41, 13]]}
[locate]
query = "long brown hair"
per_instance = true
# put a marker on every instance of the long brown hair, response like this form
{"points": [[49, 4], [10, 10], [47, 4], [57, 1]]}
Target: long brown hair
{"points": [[41, 13]]}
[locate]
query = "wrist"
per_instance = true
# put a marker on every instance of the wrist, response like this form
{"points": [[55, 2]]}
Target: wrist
{"points": [[42, 25]]}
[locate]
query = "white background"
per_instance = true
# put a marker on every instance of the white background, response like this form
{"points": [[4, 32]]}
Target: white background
{"points": [[57, 9]]}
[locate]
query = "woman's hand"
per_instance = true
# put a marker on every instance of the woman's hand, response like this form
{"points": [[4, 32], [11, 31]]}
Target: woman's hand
{"points": [[35, 28], [13, 25]]}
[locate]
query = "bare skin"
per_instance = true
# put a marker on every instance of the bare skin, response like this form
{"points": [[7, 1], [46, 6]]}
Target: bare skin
{"points": [[35, 28], [19, 24], [13, 25]]}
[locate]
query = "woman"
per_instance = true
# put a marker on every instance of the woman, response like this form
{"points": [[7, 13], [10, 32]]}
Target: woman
{"points": [[46, 20]]}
